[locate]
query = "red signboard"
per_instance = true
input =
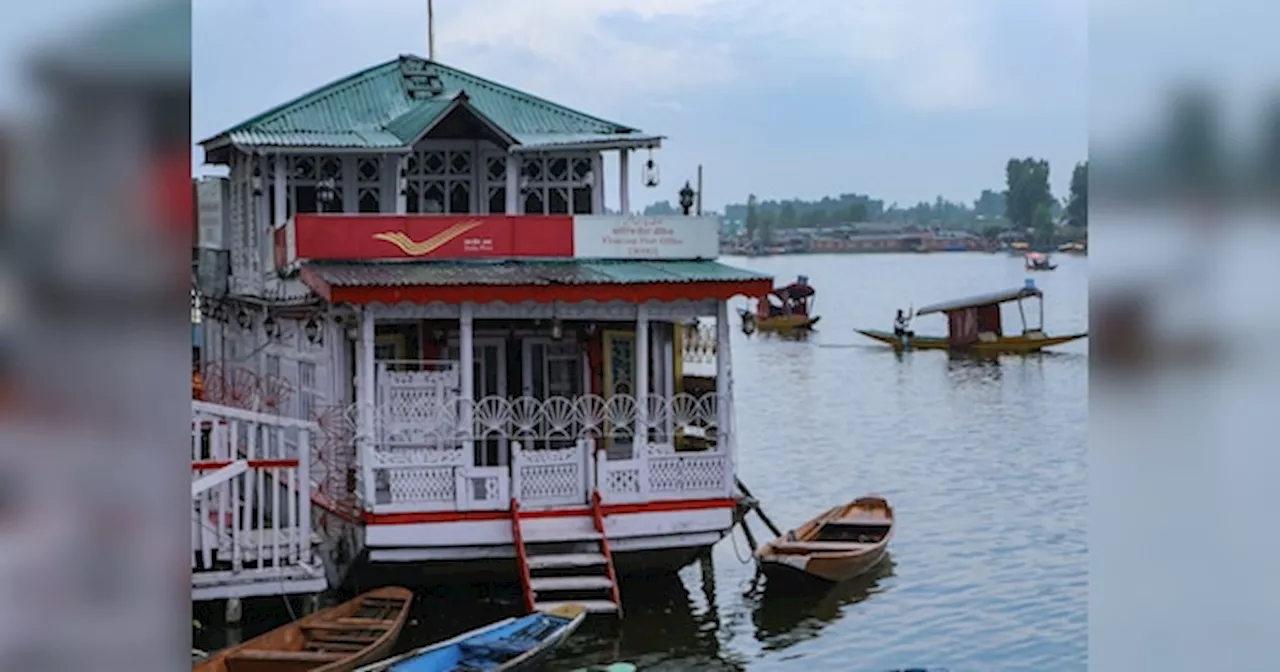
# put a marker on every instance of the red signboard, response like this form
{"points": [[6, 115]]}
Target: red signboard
{"points": [[429, 237]]}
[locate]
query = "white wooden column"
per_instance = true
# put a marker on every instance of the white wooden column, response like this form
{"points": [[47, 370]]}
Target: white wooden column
{"points": [[513, 184], [466, 359], [725, 436], [282, 190], [365, 398], [597, 184], [349, 183], [624, 181], [402, 201], [262, 213], [668, 360], [642, 380]]}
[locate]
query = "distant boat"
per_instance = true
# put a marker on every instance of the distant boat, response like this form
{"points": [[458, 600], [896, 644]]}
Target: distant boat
{"points": [[785, 309], [1077, 248], [509, 644], [1038, 262], [841, 543], [338, 639], [974, 325]]}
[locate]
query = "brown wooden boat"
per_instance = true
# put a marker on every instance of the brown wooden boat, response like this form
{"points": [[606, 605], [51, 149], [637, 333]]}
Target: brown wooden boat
{"points": [[337, 639], [839, 544]]}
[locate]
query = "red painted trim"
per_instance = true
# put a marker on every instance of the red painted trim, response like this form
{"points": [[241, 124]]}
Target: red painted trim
{"points": [[522, 556], [598, 520], [211, 465], [605, 509], [317, 284], [631, 293]]}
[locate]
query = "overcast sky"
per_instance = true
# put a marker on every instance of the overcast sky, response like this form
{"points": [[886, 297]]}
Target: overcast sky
{"points": [[904, 100]]}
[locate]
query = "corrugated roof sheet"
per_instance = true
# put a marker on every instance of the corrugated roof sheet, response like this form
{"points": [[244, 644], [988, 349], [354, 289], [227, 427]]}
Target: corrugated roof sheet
{"points": [[559, 140], [389, 101], [443, 273]]}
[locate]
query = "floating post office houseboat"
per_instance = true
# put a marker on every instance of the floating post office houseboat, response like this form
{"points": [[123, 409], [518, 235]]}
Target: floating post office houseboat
{"points": [[487, 372]]}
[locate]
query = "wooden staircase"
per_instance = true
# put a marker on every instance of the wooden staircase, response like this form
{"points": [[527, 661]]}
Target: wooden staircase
{"points": [[566, 571]]}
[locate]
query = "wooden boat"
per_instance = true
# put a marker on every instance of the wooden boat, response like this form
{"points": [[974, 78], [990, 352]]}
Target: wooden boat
{"points": [[1034, 261], [785, 309], [509, 644], [974, 325], [1077, 248], [337, 639], [839, 544]]}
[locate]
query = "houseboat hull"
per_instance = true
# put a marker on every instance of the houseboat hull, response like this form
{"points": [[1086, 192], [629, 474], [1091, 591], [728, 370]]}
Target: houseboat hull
{"points": [[1007, 345], [645, 539]]}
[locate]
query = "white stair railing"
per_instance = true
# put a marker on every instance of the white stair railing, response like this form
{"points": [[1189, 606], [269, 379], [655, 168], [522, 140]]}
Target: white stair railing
{"points": [[251, 493]]}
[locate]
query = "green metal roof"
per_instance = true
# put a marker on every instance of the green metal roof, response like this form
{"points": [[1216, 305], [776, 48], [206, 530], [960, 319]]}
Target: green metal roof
{"points": [[443, 273], [391, 104]]}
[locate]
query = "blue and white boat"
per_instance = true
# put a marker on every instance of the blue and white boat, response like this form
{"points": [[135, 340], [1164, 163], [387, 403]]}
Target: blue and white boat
{"points": [[509, 644]]}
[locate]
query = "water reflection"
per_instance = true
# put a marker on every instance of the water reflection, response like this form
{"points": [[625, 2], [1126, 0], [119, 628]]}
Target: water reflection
{"points": [[663, 630], [785, 614]]}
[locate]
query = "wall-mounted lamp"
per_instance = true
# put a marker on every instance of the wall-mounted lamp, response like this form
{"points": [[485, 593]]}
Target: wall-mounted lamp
{"points": [[271, 328], [557, 329], [312, 331]]}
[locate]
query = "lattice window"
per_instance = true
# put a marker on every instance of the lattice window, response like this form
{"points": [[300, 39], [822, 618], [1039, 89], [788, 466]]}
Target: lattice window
{"points": [[495, 184], [557, 185], [304, 174], [368, 184], [439, 181]]}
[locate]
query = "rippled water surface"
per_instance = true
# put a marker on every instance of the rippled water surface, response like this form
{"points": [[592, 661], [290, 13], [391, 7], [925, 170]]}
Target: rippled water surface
{"points": [[984, 463]]}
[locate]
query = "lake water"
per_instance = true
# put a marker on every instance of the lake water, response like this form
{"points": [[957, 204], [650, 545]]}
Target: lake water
{"points": [[983, 461]]}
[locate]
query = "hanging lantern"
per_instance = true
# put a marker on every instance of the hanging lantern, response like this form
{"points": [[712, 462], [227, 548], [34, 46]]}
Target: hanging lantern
{"points": [[270, 327], [312, 331], [650, 171]]}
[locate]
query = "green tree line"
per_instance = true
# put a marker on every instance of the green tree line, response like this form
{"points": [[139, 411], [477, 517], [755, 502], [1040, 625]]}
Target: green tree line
{"points": [[1026, 205]]}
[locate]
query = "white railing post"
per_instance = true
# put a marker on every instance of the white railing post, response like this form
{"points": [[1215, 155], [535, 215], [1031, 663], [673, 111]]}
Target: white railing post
{"points": [[466, 355], [725, 440], [365, 409], [585, 463], [517, 463], [641, 438], [596, 468], [276, 513], [304, 515], [461, 495]]}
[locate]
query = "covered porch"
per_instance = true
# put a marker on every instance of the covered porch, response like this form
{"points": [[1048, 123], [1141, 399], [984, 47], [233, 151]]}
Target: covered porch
{"points": [[541, 382]]}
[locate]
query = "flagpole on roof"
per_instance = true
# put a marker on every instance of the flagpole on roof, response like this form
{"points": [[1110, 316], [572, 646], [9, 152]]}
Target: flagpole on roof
{"points": [[431, 31]]}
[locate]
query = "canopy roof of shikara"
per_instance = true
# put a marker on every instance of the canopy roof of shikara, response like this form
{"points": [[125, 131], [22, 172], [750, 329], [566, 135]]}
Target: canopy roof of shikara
{"points": [[540, 281], [981, 300], [391, 106]]}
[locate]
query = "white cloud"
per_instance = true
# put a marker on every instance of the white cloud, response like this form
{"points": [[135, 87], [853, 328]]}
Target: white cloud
{"points": [[926, 55], [916, 55], [494, 36]]}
